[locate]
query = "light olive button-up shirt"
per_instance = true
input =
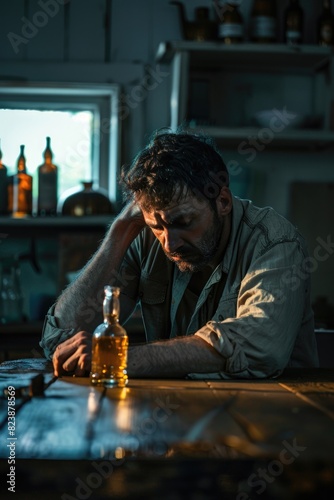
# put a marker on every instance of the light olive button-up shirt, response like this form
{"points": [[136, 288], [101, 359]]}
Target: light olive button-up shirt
{"points": [[254, 310]]}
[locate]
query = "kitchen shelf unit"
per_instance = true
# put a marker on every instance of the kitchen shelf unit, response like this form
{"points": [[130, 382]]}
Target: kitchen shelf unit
{"points": [[207, 60]]}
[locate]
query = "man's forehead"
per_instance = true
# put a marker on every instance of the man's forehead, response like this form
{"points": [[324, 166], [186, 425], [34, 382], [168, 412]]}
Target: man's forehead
{"points": [[176, 208], [184, 202]]}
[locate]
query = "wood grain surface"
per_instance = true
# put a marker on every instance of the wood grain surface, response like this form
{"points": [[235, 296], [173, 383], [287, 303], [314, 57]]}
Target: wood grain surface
{"points": [[263, 432]]}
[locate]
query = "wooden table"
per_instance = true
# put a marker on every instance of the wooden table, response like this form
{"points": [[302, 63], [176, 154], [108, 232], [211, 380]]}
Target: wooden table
{"points": [[167, 439]]}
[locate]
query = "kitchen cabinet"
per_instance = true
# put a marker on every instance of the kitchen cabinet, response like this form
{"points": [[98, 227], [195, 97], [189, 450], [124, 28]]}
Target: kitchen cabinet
{"points": [[220, 89]]}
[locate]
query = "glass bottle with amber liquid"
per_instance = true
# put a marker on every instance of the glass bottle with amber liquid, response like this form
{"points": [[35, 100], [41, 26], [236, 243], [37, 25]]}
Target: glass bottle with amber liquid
{"points": [[264, 21], [326, 25], [20, 189], [110, 345], [3, 186], [231, 27], [47, 183], [293, 23]]}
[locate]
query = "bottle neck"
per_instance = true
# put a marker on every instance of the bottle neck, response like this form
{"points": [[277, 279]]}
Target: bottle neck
{"points": [[48, 159], [48, 152], [110, 319], [111, 305], [21, 163]]}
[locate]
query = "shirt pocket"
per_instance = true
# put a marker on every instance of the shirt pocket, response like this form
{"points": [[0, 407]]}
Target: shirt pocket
{"points": [[227, 308], [152, 292], [153, 297]]}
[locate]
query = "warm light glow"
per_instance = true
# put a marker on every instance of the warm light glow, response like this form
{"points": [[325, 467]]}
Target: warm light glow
{"points": [[71, 133], [93, 402], [119, 453], [123, 416]]}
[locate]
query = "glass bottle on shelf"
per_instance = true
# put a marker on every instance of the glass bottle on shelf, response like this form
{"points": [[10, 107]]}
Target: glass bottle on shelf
{"points": [[20, 189], [264, 21], [326, 25], [231, 27], [110, 345], [293, 23], [3, 186], [47, 183]]}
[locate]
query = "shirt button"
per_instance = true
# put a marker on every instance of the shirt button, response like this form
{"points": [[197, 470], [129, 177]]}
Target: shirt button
{"points": [[220, 317]]}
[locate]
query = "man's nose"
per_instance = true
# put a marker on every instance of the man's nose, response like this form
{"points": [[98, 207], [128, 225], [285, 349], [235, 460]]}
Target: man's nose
{"points": [[172, 240]]}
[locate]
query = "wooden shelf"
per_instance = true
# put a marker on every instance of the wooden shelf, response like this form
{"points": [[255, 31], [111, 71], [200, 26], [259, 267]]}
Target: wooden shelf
{"points": [[296, 138], [255, 57], [57, 221], [46, 227], [211, 59]]}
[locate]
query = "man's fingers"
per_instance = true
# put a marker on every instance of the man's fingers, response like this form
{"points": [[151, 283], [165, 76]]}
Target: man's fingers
{"points": [[83, 365], [79, 362], [61, 354], [67, 355], [70, 364]]}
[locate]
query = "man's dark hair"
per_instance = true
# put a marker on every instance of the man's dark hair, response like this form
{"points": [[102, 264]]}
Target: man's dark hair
{"points": [[174, 160]]}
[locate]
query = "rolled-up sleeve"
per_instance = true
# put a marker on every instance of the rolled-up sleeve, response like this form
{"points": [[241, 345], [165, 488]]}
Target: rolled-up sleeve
{"points": [[52, 335], [258, 340]]}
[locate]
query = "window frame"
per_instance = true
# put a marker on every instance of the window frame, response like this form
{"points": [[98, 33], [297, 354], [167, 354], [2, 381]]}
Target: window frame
{"points": [[103, 98]]}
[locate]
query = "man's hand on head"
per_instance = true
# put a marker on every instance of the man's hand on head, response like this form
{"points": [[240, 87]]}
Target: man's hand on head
{"points": [[133, 214]]}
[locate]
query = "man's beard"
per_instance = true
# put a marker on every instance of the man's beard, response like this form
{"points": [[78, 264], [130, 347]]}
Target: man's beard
{"points": [[196, 258]]}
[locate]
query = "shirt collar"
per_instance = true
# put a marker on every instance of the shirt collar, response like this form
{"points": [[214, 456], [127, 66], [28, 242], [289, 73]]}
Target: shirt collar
{"points": [[237, 215]]}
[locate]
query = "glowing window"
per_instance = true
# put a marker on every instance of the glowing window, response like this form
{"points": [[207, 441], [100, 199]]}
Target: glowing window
{"points": [[82, 121]]}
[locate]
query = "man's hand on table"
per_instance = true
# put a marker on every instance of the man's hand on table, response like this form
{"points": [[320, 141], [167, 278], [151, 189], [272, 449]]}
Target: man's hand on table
{"points": [[73, 356]]}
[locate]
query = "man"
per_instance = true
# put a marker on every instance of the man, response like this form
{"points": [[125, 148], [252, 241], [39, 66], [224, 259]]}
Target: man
{"points": [[222, 284]]}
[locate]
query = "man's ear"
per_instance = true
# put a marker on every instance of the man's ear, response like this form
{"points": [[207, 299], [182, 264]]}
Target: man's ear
{"points": [[224, 201]]}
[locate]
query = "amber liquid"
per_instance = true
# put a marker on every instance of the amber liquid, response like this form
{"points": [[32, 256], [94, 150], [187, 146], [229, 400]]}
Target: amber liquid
{"points": [[109, 361], [20, 189], [20, 195]]}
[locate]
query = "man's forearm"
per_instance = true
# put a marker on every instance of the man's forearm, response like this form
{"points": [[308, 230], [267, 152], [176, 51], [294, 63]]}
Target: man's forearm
{"points": [[80, 305], [174, 358]]}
